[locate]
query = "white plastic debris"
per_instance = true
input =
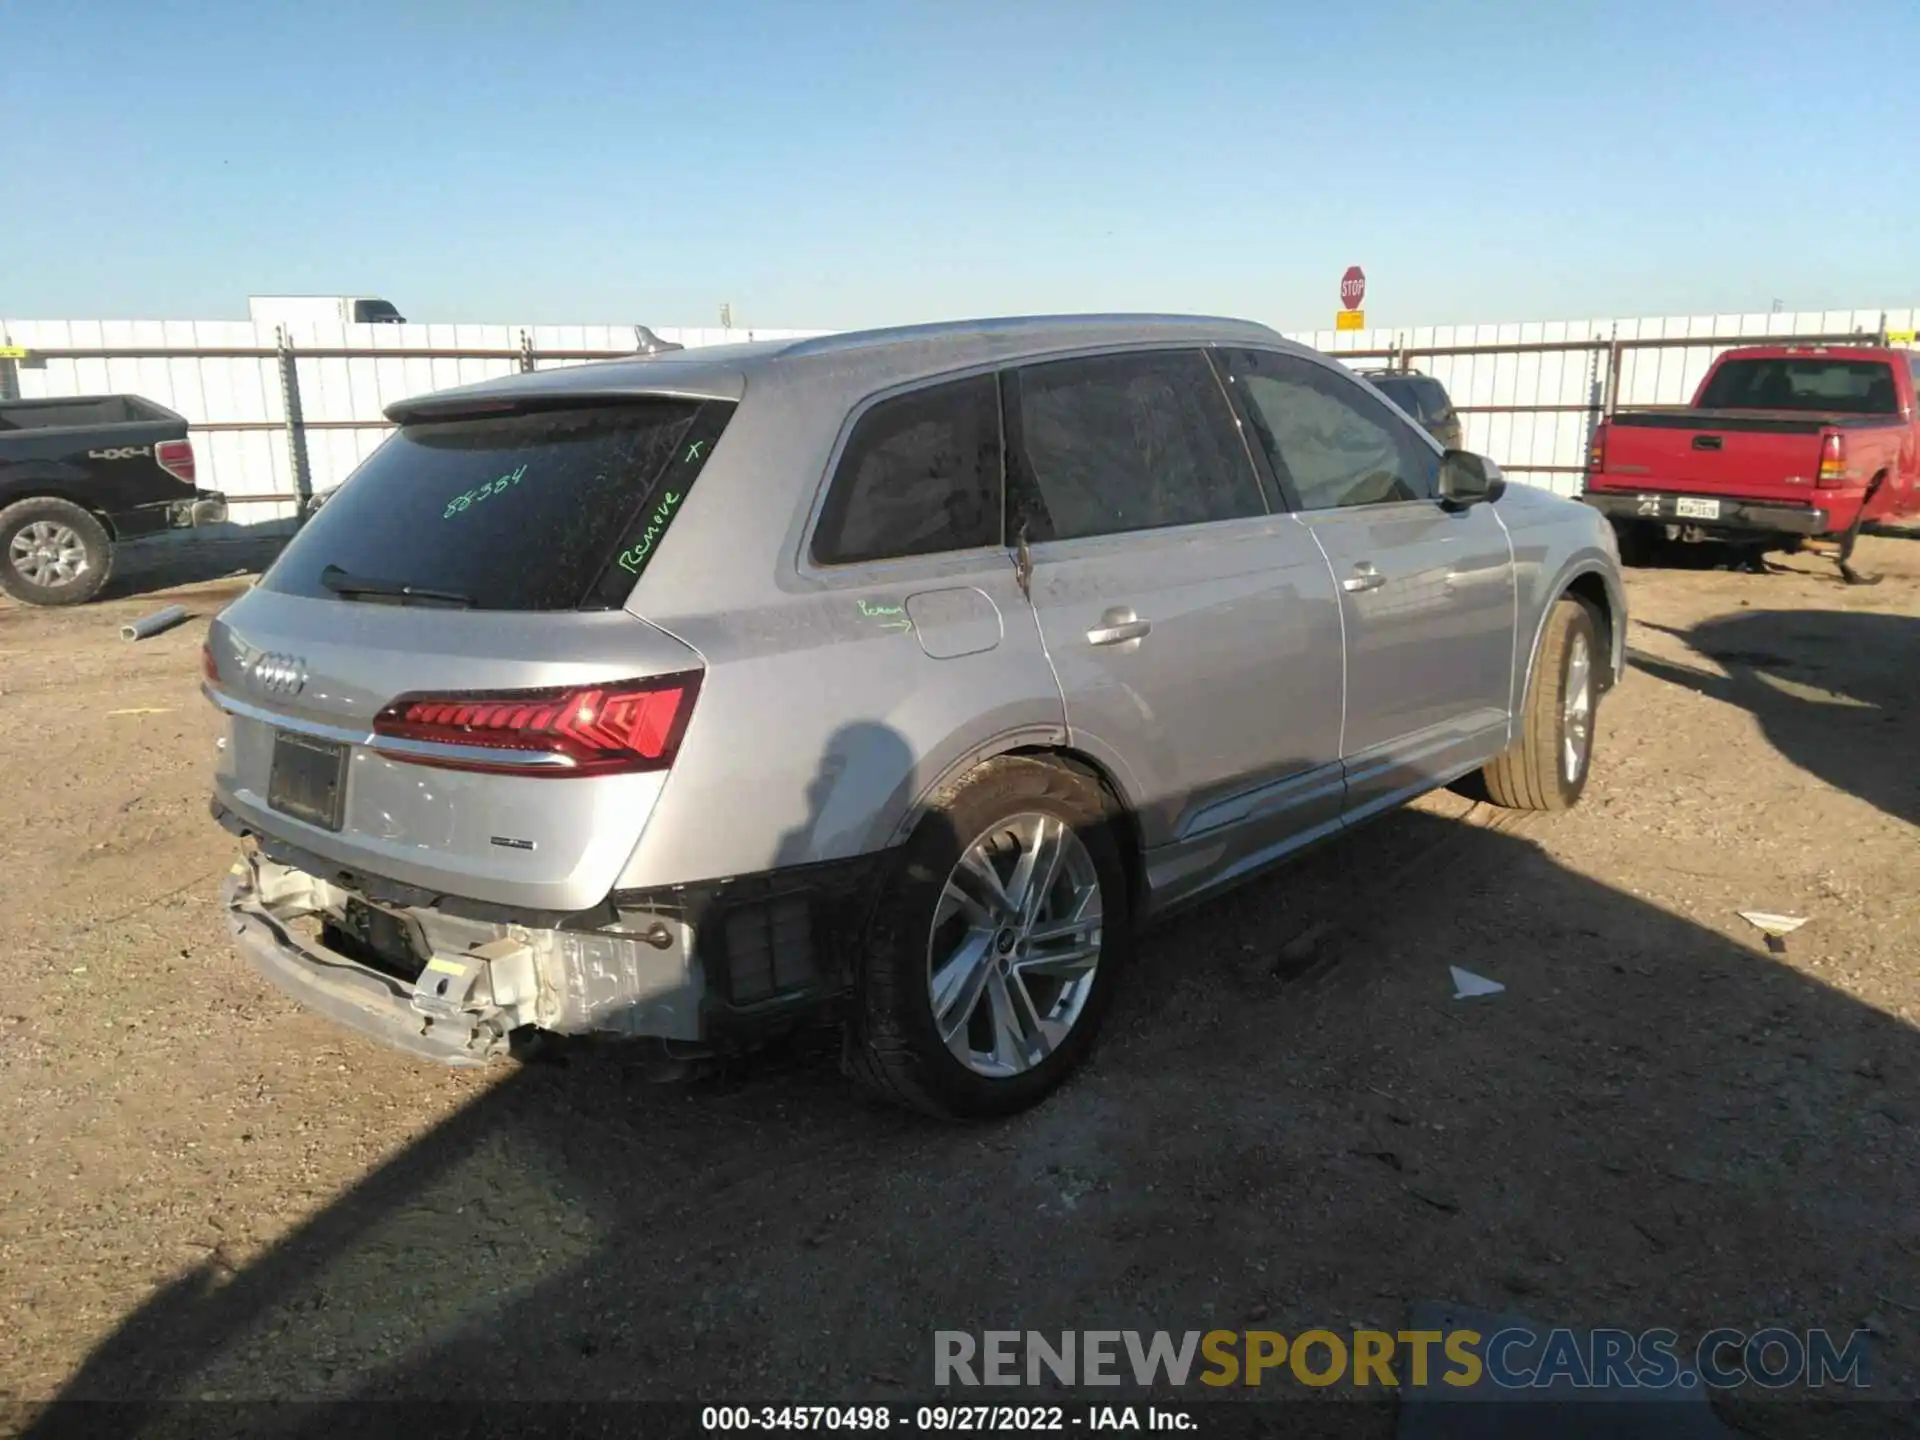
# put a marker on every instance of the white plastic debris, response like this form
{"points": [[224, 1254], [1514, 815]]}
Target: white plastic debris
{"points": [[1468, 986], [1778, 926], [1775, 927]]}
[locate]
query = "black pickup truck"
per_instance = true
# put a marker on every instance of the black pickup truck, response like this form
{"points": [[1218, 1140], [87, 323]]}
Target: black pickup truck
{"points": [[76, 476]]}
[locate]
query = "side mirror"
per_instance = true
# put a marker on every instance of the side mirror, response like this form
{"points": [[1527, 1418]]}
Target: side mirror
{"points": [[1467, 479]]}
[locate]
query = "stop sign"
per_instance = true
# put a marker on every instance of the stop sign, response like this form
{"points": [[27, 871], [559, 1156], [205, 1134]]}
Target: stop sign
{"points": [[1353, 287]]}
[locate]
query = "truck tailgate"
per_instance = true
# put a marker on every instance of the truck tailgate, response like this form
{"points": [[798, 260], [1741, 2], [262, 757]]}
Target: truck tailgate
{"points": [[1748, 457]]}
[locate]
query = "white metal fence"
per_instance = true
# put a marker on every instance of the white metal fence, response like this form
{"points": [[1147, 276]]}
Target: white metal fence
{"points": [[277, 411]]}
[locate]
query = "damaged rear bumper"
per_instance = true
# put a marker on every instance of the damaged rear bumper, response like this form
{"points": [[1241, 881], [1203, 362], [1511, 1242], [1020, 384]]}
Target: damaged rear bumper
{"points": [[472, 983], [354, 995], [713, 966]]}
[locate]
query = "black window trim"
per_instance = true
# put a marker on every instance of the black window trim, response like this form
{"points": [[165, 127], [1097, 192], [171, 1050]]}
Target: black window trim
{"points": [[1413, 428], [1014, 451], [816, 569], [1282, 496]]}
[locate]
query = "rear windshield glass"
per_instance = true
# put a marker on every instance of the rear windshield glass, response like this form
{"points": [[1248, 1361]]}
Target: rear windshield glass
{"points": [[1400, 391], [518, 512], [1851, 387]]}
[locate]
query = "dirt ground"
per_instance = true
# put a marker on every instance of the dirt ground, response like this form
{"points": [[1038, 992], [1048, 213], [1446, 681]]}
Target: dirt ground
{"points": [[1658, 1123]]}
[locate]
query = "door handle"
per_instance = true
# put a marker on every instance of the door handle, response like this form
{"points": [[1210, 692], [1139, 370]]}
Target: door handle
{"points": [[1707, 442], [1118, 626], [1365, 576]]}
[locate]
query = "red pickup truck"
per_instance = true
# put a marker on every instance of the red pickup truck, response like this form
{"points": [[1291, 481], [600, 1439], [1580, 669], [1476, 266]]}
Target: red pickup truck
{"points": [[1782, 443]]}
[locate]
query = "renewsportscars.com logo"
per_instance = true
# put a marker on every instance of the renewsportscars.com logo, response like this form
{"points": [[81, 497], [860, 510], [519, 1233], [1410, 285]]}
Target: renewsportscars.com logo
{"points": [[1516, 1358]]}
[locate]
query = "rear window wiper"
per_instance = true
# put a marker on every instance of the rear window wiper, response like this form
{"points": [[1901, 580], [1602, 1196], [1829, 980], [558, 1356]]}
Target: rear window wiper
{"points": [[353, 586]]}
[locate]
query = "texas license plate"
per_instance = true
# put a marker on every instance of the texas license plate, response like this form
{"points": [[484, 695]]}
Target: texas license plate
{"points": [[1689, 509], [308, 779]]}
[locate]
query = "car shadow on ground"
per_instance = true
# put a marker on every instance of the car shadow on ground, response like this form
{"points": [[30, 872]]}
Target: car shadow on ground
{"points": [[144, 567], [1833, 691], [1653, 1125]]}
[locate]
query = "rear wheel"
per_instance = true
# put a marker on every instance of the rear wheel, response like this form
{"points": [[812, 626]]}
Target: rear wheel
{"points": [[1546, 769], [52, 552], [1851, 537], [995, 952]]}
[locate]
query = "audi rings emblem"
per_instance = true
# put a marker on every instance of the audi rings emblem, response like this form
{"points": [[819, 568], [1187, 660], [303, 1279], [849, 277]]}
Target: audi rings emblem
{"points": [[279, 674]]}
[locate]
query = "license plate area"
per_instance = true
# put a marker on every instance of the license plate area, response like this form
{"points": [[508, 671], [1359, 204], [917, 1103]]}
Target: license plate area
{"points": [[308, 779], [1687, 508]]}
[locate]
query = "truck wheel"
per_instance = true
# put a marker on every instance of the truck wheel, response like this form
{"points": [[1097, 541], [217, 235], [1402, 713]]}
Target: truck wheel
{"points": [[52, 552], [995, 949], [1546, 769], [1851, 537]]}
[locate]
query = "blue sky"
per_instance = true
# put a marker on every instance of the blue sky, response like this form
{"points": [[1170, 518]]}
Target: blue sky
{"points": [[817, 163]]}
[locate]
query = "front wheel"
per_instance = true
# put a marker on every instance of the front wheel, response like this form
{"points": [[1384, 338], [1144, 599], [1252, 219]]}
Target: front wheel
{"points": [[1546, 768], [52, 552], [994, 953]]}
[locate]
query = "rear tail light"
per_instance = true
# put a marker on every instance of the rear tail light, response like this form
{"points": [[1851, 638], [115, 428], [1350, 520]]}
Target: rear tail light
{"points": [[613, 729], [209, 667], [1833, 460], [1597, 449], [176, 458]]}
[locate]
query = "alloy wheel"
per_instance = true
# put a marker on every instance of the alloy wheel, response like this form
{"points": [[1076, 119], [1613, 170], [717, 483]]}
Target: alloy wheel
{"points": [[1015, 944]]}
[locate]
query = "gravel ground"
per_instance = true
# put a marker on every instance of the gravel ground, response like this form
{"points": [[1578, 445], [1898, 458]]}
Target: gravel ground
{"points": [[207, 1192]]}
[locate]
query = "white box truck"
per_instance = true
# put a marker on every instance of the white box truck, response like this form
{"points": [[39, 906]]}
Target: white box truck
{"points": [[313, 309]]}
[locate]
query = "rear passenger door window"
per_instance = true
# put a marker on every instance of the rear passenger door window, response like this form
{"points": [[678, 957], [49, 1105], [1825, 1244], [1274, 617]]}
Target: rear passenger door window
{"points": [[1117, 443], [920, 475], [1331, 440]]}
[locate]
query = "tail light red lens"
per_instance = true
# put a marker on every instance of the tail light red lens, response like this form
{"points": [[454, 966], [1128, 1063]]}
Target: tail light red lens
{"points": [[209, 667], [614, 729], [176, 458], [1597, 449], [1833, 460]]}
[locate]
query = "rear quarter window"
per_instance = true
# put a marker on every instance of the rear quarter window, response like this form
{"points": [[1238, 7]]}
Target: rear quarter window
{"points": [[1400, 391], [520, 512], [920, 475]]}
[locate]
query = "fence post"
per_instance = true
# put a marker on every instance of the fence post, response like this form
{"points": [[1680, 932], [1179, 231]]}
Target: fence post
{"points": [[526, 351], [9, 371], [1614, 354], [296, 423]]}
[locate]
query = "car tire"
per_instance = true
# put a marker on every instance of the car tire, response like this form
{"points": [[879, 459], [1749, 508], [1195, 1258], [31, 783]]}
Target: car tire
{"points": [[985, 958], [1547, 766], [43, 538]]}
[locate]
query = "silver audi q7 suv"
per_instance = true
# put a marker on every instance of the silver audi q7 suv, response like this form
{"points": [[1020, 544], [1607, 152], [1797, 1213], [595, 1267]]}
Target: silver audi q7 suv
{"points": [[892, 678]]}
